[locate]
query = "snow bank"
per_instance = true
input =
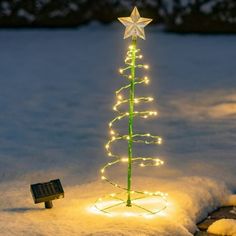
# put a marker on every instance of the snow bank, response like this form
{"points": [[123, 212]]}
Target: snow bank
{"points": [[230, 200], [190, 199], [223, 227]]}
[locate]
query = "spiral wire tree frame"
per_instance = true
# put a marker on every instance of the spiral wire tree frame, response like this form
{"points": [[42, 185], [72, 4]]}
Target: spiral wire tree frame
{"points": [[131, 195]]}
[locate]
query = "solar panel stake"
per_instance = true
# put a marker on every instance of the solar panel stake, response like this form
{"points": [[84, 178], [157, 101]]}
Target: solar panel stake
{"points": [[46, 192], [48, 204]]}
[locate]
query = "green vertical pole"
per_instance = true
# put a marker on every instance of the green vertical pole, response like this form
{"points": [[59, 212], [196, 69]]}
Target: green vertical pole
{"points": [[131, 117]]}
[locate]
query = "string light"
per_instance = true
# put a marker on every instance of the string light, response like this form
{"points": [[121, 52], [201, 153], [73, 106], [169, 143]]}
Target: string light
{"points": [[129, 72], [139, 138]]}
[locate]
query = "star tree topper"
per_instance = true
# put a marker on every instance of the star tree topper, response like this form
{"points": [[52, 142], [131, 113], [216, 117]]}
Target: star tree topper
{"points": [[134, 24]]}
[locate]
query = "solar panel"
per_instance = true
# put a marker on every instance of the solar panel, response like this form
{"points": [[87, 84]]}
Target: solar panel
{"points": [[46, 192]]}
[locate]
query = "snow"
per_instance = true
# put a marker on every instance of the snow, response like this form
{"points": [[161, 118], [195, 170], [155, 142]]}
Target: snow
{"points": [[24, 14], [223, 227], [231, 200], [57, 90], [208, 6], [73, 6], [5, 8], [74, 215], [57, 13]]}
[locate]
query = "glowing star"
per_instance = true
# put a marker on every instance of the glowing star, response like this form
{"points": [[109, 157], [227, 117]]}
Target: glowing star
{"points": [[134, 24]]}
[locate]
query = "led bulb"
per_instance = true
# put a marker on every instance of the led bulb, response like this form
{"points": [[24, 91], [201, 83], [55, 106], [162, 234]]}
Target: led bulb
{"points": [[112, 132]]}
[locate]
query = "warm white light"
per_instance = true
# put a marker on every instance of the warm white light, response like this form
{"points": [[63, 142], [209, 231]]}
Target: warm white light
{"points": [[112, 132], [152, 203], [146, 200]]}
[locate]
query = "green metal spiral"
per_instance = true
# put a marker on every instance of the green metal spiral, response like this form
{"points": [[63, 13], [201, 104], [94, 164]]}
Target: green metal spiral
{"points": [[131, 195]]}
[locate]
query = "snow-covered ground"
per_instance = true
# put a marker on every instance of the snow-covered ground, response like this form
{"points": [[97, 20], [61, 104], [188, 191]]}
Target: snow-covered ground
{"points": [[223, 227], [57, 89]]}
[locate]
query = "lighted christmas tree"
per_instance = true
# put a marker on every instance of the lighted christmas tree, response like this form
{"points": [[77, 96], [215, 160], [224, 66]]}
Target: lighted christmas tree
{"points": [[134, 29]]}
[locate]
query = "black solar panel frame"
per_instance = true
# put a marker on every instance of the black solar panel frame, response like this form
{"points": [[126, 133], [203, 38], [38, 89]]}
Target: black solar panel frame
{"points": [[47, 191]]}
